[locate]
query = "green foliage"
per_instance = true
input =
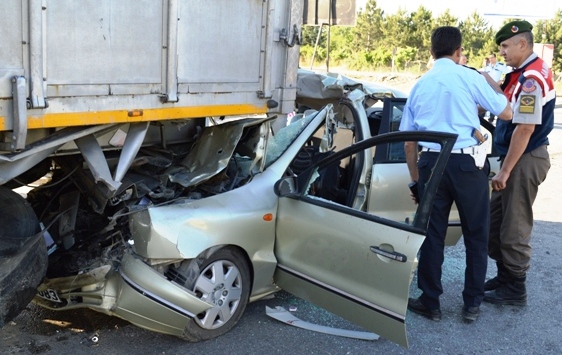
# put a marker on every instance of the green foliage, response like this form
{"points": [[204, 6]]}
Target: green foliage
{"points": [[339, 44], [476, 33], [419, 31], [309, 33], [446, 19], [371, 43], [380, 57], [309, 56], [551, 32], [404, 56], [395, 30], [370, 60], [367, 34]]}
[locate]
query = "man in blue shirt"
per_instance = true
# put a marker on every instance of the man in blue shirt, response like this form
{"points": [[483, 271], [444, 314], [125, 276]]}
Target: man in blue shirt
{"points": [[446, 99], [496, 69]]}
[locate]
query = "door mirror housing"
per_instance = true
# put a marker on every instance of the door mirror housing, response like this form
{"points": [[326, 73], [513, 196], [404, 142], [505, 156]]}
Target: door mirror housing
{"points": [[286, 187]]}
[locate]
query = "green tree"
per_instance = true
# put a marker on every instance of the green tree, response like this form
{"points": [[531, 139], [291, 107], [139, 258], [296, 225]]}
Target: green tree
{"points": [[419, 32], [395, 29], [404, 56], [308, 48], [550, 31], [476, 33], [340, 37], [309, 34], [367, 33], [446, 19], [405, 37]]}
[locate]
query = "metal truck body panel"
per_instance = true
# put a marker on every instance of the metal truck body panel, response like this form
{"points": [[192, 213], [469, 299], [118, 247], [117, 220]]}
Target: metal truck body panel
{"points": [[96, 62]]}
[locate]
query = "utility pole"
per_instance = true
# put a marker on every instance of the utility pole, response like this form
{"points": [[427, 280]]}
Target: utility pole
{"points": [[328, 40]]}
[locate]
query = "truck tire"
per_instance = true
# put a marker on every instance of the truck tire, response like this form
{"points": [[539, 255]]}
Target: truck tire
{"points": [[23, 255]]}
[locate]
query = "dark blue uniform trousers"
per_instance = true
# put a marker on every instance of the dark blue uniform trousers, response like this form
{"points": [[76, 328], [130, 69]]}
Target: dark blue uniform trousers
{"points": [[468, 187]]}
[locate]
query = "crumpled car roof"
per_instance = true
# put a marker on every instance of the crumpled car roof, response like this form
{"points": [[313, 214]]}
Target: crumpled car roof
{"points": [[322, 86]]}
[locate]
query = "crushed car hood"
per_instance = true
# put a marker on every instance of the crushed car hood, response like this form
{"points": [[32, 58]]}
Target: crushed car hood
{"points": [[214, 148]]}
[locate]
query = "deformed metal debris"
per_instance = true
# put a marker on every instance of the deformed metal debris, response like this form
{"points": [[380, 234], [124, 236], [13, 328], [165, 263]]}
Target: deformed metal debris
{"points": [[282, 315]]}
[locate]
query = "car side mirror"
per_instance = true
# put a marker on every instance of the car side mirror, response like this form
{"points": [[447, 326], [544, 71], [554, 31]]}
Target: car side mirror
{"points": [[286, 187]]}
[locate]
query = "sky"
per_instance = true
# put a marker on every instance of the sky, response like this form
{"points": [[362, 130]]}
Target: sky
{"points": [[494, 11]]}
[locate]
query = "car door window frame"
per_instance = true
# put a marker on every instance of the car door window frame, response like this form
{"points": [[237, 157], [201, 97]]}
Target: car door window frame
{"points": [[303, 181]]}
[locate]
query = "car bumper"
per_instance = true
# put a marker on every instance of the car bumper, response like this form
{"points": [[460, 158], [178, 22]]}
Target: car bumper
{"points": [[134, 291]]}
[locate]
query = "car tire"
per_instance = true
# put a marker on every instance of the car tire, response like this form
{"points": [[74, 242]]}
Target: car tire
{"points": [[222, 278], [23, 255]]}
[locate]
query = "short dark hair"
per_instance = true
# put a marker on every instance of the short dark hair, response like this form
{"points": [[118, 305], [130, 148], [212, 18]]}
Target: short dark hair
{"points": [[445, 41]]}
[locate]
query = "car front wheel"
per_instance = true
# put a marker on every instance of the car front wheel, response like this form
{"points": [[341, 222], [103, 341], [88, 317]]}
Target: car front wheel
{"points": [[223, 279]]}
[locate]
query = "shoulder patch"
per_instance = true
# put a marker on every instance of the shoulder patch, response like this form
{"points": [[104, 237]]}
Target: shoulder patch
{"points": [[528, 85], [527, 104]]}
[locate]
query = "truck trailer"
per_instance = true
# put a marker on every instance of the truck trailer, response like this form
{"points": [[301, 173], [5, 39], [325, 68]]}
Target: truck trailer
{"points": [[87, 85]]}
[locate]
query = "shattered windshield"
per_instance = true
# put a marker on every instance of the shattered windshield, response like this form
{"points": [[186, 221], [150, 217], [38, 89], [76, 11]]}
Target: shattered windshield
{"points": [[278, 143]]}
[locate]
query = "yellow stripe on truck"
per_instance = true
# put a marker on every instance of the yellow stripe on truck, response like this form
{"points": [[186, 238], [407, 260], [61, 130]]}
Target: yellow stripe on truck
{"points": [[55, 120]]}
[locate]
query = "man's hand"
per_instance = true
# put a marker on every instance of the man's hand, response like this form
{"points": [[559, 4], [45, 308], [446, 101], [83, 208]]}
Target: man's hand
{"points": [[414, 191], [519, 141], [500, 180]]}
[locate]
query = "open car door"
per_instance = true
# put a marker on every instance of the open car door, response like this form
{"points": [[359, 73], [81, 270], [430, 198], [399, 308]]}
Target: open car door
{"points": [[351, 262], [394, 201], [390, 162]]}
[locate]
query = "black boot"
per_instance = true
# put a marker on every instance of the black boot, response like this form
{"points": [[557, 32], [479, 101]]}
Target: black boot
{"points": [[499, 280], [513, 292]]}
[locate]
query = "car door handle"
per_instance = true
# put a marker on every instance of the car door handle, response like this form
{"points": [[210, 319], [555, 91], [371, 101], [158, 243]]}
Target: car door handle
{"points": [[390, 254]]}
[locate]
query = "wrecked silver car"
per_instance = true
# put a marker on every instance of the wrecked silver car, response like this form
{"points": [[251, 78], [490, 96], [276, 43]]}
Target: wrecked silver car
{"points": [[237, 210]]}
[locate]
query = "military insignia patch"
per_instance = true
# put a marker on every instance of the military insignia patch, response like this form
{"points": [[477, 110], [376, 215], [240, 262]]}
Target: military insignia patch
{"points": [[527, 104], [528, 86]]}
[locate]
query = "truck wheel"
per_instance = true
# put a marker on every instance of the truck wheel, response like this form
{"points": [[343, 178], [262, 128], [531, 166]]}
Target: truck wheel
{"points": [[18, 222], [224, 280], [23, 256]]}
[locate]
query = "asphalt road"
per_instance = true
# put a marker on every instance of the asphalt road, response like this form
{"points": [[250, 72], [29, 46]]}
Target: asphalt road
{"points": [[535, 329]]}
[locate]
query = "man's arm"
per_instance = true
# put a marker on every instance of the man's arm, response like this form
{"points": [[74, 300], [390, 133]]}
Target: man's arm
{"points": [[507, 113], [411, 149], [492, 82], [517, 146]]}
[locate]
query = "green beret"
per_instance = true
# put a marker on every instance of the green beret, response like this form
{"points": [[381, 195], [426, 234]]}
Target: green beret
{"points": [[511, 29]]}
